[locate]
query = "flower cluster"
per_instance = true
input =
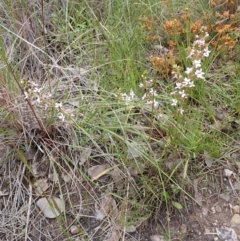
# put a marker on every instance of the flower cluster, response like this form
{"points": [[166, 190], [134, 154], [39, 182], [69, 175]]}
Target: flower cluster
{"points": [[150, 94], [129, 98], [194, 72], [35, 94]]}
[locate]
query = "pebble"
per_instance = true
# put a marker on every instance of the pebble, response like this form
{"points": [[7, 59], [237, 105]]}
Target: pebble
{"points": [[224, 197], [75, 230], [157, 238], [218, 208], [220, 116], [183, 228], [236, 209], [235, 221], [213, 209]]}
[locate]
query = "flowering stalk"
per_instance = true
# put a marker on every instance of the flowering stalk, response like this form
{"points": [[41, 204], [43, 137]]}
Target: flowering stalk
{"points": [[193, 73]]}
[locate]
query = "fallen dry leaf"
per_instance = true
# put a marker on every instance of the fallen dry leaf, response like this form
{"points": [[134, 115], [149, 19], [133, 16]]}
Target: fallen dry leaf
{"points": [[95, 172], [227, 173], [135, 149], [115, 235], [51, 207], [84, 155], [53, 177], [66, 178], [41, 186], [106, 206], [207, 159]]}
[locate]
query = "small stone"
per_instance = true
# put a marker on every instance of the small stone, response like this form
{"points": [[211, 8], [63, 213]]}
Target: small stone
{"points": [[157, 238], [220, 116], [213, 209], [236, 186], [236, 209], [204, 211], [75, 230], [227, 173], [218, 208], [224, 197], [206, 231], [235, 221], [183, 228]]}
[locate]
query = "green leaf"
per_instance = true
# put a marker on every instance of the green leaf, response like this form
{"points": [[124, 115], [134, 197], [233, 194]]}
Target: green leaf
{"points": [[177, 205], [165, 195]]}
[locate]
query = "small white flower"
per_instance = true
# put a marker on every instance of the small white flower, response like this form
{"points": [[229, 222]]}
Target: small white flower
{"points": [[26, 95], [191, 84], [188, 71], [34, 84], [61, 116], [199, 42], [188, 83], [38, 100], [141, 85], [132, 94], [174, 102], [183, 94], [192, 53], [197, 63], [178, 85], [199, 73], [153, 92], [154, 103], [37, 90], [58, 105], [144, 96], [181, 111], [173, 93], [206, 52]]}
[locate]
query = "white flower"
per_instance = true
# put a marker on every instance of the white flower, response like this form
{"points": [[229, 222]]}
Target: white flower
{"points": [[38, 100], [206, 52], [58, 105], [199, 73], [26, 95], [154, 103], [37, 90], [199, 42], [174, 102], [188, 83], [183, 94], [188, 71], [191, 54], [153, 92], [132, 95], [34, 84], [181, 110], [61, 116], [141, 85], [178, 85], [144, 96], [197, 63]]}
